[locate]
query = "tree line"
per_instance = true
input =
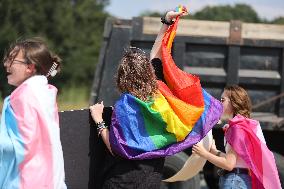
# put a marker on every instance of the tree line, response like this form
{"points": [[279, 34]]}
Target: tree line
{"points": [[74, 30], [242, 12]]}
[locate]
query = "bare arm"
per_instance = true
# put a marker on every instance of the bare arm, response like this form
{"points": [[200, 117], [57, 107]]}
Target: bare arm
{"points": [[225, 161], [105, 137], [156, 49], [97, 115]]}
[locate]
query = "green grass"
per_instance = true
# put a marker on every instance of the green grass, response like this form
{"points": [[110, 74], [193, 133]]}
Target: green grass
{"points": [[73, 98]]}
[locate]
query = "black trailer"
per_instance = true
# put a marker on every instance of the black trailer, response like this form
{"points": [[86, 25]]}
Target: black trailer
{"points": [[220, 53]]}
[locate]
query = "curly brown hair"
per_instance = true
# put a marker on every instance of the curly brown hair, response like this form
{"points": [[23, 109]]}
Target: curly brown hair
{"points": [[240, 100], [135, 75]]}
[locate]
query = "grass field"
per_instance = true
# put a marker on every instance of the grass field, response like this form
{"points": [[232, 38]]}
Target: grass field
{"points": [[71, 98]]}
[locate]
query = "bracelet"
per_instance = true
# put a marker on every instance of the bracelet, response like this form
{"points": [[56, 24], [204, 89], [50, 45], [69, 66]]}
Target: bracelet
{"points": [[101, 130], [101, 126], [100, 123], [218, 153], [164, 21]]}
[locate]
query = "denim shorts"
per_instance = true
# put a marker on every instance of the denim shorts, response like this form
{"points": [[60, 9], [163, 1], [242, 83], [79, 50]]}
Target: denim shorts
{"points": [[235, 181]]}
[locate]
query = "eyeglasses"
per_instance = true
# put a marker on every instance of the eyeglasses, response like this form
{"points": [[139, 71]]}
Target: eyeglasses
{"points": [[224, 99], [11, 61]]}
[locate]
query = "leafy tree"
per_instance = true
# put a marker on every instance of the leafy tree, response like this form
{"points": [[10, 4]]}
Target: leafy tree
{"points": [[241, 12], [72, 28], [279, 20]]}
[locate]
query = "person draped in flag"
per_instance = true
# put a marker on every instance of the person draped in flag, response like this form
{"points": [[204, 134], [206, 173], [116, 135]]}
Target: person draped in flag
{"points": [[30, 149], [161, 111], [247, 162]]}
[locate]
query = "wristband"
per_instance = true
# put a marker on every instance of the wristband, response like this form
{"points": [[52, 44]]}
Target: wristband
{"points": [[101, 126], [218, 153], [164, 21], [101, 130]]}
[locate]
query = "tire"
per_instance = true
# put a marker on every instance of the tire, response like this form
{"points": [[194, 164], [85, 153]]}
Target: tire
{"points": [[279, 159], [172, 165]]}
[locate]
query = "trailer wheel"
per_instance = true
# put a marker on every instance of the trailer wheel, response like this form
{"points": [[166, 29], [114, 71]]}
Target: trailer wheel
{"points": [[279, 159], [172, 165]]}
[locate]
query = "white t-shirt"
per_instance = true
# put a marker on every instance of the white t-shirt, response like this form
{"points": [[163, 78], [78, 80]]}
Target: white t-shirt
{"points": [[240, 162]]}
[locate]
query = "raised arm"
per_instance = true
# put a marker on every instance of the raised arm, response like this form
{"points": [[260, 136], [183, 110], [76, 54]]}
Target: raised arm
{"points": [[156, 49]]}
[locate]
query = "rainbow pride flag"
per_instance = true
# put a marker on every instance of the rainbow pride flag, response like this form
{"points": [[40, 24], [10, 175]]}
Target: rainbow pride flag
{"points": [[30, 150], [179, 116], [253, 151]]}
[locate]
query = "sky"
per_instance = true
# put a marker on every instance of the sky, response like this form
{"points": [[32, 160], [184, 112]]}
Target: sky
{"points": [[268, 9]]}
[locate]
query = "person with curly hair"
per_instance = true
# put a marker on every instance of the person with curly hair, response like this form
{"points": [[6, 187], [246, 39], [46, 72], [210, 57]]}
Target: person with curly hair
{"points": [[132, 78], [161, 111], [135, 76]]}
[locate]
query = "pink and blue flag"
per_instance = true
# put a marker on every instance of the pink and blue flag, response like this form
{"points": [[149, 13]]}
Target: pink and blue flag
{"points": [[30, 150], [242, 135]]}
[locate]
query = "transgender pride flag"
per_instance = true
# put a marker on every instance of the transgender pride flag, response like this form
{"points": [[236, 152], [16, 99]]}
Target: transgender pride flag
{"points": [[30, 150], [179, 116], [243, 135]]}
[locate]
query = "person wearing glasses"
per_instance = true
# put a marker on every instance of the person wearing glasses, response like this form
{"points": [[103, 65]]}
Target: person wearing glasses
{"points": [[247, 162], [31, 154]]}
